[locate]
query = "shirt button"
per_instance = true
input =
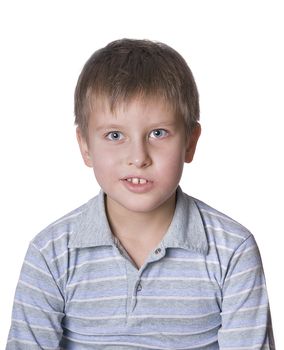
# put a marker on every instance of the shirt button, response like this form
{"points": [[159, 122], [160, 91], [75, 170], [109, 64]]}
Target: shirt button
{"points": [[158, 251], [139, 287]]}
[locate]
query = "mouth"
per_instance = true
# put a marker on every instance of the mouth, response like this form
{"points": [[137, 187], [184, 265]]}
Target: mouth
{"points": [[136, 180], [137, 184]]}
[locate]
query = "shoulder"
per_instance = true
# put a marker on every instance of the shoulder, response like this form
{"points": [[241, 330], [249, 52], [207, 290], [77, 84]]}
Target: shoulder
{"points": [[222, 231], [60, 231]]}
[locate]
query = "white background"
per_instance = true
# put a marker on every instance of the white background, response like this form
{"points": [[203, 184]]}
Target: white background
{"points": [[235, 50]]}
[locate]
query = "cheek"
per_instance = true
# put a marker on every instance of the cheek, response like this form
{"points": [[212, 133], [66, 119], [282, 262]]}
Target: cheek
{"points": [[104, 163], [171, 162]]}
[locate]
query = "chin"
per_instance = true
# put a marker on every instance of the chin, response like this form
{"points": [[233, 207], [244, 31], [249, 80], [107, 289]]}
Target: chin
{"points": [[139, 208], [142, 206], [139, 203]]}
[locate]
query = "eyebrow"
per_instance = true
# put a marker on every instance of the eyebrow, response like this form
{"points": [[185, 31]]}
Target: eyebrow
{"points": [[122, 126], [109, 126]]}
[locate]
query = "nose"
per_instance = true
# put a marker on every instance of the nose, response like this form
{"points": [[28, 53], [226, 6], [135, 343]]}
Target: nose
{"points": [[139, 155]]}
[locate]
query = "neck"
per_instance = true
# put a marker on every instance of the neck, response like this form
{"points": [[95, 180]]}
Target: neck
{"points": [[130, 225]]}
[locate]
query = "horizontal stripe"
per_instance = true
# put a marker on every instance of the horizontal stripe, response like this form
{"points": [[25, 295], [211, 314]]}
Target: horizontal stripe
{"points": [[97, 299], [38, 290], [64, 234], [257, 347], [257, 268], [163, 316], [244, 329], [36, 327], [113, 343], [244, 292], [41, 309], [97, 280], [97, 262], [243, 253], [60, 256], [222, 230], [88, 263], [196, 261], [37, 269], [97, 317], [26, 342], [221, 247], [140, 345], [246, 309], [185, 279], [214, 214], [176, 298]]}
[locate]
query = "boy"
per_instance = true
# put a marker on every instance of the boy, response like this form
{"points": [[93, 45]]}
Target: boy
{"points": [[142, 265]]}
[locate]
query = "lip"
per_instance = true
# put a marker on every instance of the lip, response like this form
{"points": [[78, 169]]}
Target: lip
{"points": [[137, 188]]}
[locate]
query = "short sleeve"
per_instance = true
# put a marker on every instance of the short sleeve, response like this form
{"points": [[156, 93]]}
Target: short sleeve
{"points": [[38, 306], [246, 321]]}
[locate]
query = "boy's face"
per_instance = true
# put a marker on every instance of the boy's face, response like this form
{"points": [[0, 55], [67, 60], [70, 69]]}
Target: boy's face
{"points": [[137, 153]]}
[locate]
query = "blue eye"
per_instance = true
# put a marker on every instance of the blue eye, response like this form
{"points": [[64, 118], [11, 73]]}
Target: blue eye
{"points": [[114, 135], [158, 133]]}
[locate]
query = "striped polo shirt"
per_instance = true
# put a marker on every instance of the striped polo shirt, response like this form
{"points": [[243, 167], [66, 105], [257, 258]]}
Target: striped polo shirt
{"points": [[202, 287]]}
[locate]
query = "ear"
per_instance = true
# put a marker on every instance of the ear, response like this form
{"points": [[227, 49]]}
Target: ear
{"points": [[84, 148], [191, 143]]}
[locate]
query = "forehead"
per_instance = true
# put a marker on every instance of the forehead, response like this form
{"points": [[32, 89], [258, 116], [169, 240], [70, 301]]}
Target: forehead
{"points": [[141, 108]]}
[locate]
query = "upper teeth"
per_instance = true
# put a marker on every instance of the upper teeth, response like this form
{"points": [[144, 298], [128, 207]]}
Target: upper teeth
{"points": [[136, 180]]}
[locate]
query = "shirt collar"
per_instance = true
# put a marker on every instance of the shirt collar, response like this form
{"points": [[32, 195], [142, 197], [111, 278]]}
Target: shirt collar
{"points": [[185, 231], [92, 227]]}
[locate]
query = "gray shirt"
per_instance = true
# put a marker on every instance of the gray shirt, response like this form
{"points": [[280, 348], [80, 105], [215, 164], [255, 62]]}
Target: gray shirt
{"points": [[202, 287]]}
